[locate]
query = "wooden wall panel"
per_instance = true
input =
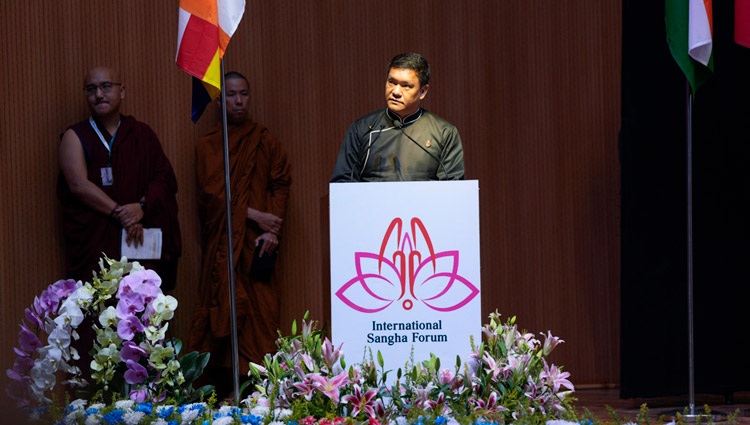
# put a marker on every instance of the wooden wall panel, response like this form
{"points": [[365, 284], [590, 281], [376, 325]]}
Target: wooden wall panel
{"points": [[532, 86]]}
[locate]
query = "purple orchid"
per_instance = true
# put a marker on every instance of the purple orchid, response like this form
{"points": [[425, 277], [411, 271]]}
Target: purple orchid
{"points": [[135, 373], [130, 303], [128, 327], [27, 340], [21, 368], [64, 287], [32, 317], [130, 351], [141, 281], [139, 396], [46, 303]]}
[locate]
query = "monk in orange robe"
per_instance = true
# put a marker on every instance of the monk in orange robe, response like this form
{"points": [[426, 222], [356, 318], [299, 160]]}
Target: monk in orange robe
{"points": [[259, 184]]}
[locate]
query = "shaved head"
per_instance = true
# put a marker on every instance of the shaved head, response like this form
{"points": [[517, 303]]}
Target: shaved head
{"points": [[114, 76], [104, 92]]}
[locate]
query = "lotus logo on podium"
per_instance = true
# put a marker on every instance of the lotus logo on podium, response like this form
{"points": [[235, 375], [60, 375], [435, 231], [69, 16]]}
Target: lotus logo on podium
{"points": [[405, 269], [406, 274]]}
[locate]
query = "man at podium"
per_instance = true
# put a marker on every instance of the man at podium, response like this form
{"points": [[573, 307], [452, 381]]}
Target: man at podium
{"points": [[402, 142]]}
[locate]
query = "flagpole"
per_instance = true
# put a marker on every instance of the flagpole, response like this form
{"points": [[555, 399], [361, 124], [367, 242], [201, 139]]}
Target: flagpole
{"points": [[691, 330], [689, 414], [230, 249]]}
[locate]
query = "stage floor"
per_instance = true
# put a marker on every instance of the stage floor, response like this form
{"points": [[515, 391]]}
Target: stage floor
{"points": [[597, 400]]}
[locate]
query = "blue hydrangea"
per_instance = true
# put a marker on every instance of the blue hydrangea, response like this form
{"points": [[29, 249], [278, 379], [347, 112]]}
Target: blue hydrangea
{"points": [[146, 408], [195, 406], [257, 420], [227, 411], [113, 417], [164, 411]]}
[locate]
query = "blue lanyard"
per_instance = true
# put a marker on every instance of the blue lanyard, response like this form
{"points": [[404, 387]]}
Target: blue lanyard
{"points": [[101, 136]]}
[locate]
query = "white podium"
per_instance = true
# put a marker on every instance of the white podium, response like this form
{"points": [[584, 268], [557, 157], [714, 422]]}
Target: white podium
{"points": [[405, 272]]}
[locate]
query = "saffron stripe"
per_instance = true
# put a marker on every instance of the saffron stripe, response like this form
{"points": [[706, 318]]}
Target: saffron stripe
{"points": [[206, 10]]}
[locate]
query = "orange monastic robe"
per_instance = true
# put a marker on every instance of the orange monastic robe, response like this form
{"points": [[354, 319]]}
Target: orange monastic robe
{"points": [[260, 178]]}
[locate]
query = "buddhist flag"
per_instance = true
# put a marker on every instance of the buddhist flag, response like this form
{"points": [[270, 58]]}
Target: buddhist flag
{"points": [[203, 33], [742, 22], [690, 37]]}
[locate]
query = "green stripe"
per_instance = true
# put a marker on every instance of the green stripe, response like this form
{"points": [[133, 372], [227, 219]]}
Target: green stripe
{"points": [[676, 19]]}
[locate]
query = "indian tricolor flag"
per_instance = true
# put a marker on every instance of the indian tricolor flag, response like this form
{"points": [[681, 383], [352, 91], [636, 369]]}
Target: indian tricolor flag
{"points": [[203, 33], [690, 37]]}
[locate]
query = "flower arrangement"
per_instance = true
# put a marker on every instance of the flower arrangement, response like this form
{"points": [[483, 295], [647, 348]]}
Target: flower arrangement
{"points": [[506, 379], [137, 377], [127, 315]]}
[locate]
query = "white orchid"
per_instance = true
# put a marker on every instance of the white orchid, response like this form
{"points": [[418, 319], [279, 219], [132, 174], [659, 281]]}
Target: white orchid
{"points": [[60, 338], [52, 354], [43, 374], [160, 356], [164, 307], [103, 363], [108, 317], [83, 296], [70, 314], [156, 333], [107, 336]]}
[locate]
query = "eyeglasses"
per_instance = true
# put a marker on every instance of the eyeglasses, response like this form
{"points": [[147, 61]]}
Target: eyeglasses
{"points": [[105, 87]]}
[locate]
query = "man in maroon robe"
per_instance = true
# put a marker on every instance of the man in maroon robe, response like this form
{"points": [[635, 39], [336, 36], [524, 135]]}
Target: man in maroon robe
{"points": [[259, 185], [114, 175]]}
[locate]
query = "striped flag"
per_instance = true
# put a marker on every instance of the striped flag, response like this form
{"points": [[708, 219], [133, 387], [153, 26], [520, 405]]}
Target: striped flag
{"points": [[690, 37], [204, 30], [742, 22]]}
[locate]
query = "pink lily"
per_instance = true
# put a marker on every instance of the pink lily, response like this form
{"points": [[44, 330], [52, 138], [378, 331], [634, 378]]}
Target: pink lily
{"points": [[489, 405], [306, 387], [330, 387], [554, 376], [361, 402], [550, 342], [331, 355], [492, 367]]}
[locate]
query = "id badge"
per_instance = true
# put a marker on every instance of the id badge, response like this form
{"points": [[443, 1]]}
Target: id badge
{"points": [[107, 178]]}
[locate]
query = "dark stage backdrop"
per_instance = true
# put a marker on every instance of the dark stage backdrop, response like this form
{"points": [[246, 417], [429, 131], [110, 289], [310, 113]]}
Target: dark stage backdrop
{"points": [[654, 331]]}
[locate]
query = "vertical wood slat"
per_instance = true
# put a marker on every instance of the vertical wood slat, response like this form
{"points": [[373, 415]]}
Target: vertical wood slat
{"points": [[532, 86]]}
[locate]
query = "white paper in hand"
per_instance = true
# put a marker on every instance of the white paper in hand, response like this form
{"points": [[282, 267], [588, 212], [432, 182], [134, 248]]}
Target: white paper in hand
{"points": [[150, 250]]}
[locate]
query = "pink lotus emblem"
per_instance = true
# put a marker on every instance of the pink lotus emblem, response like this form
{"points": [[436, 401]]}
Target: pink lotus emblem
{"points": [[407, 274]]}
